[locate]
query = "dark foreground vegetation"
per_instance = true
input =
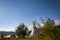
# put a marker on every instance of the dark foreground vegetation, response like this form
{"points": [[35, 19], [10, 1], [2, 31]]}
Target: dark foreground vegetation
{"points": [[49, 31]]}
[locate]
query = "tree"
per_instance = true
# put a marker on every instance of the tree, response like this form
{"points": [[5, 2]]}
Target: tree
{"points": [[49, 22], [21, 30], [48, 31]]}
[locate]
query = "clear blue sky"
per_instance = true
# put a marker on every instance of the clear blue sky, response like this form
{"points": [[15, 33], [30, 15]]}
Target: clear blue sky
{"points": [[14, 12]]}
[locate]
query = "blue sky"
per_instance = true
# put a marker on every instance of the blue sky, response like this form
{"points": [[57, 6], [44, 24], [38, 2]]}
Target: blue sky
{"points": [[14, 12]]}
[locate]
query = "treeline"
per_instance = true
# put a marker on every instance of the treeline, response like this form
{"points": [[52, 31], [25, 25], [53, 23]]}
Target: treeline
{"points": [[49, 31]]}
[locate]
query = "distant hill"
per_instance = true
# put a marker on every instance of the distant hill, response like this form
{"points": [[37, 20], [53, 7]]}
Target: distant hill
{"points": [[5, 32]]}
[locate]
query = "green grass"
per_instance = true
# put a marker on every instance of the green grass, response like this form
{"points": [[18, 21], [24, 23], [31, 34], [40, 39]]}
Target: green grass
{"points": [[17, 39]]}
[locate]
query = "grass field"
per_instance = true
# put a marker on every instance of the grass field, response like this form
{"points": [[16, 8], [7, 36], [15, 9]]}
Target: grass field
{"points": [[16, 39]]}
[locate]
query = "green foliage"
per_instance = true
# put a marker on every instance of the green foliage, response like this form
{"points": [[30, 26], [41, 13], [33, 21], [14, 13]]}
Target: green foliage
{"points": [[57, 31], [48, 32], [21, 30]]}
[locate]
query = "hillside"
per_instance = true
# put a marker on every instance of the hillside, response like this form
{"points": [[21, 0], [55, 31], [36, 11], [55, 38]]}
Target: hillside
{"points": [[5, 32]]}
